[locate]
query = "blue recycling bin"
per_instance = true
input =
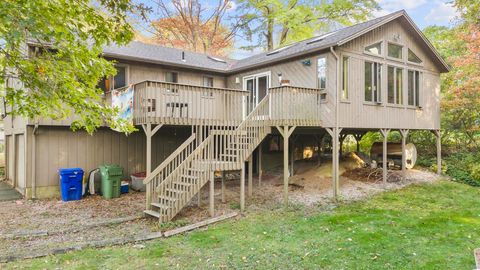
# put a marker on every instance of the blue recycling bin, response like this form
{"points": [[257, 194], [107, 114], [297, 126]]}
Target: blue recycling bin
{"points": [[71, 181]]}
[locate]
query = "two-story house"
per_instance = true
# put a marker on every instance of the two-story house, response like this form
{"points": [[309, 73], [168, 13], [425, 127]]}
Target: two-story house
{"points": [[199, 114]]}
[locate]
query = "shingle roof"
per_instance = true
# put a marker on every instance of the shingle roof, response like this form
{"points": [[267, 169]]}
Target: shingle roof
{"points": [[310, 45], [162, 55], [143, 52]]}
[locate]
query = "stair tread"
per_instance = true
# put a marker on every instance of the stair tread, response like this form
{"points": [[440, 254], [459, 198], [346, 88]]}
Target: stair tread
{"points": [[159, 205], [167, 198], [152, 213], [189, 176], [174, 190], [182, 183], [229, 155]]}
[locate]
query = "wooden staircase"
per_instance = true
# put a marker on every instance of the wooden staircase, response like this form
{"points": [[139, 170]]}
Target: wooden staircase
{"points": [[173, 184]]}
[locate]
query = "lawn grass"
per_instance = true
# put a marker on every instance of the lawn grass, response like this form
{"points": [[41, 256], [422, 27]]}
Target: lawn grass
{"points": [[429, 226]]}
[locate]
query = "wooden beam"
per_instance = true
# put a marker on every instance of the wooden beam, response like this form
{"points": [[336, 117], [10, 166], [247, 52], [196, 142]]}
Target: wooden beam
{"points": [[384, 157], [250, 175], [199, 224], [155, 129], [223, 187], [438, 137], [404, 133], [260, 170], [211, 194], [286, 132], [242, 187]]}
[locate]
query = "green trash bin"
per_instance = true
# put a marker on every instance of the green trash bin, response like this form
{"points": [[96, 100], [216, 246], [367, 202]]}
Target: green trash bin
{"points": [[111, 180]]}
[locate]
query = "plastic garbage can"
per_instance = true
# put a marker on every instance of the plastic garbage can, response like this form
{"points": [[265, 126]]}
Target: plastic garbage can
{"points": [[111, 180], [71, 181]]}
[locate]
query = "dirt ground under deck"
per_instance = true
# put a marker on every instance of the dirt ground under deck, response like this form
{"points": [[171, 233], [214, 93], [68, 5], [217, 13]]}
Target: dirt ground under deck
{"points": [[27, 226]]}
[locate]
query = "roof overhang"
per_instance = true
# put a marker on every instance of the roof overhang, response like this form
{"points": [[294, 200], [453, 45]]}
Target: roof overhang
{"points": [[443, 64]]}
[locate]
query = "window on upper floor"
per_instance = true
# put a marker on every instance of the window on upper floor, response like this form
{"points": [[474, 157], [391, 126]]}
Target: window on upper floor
{"points": [[115, 82], [322, 72], [414, 88], [412, 57], [395, 85], [373, 82], [171, 77], [345, 71], [207, 81], [395, 51], [374, 48]]}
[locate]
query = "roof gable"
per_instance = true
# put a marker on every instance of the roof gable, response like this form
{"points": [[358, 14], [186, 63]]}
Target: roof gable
{"points": [[170, 56]]}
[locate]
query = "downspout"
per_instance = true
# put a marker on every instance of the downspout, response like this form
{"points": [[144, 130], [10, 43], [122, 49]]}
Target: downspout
{"points": [[34, 151]]}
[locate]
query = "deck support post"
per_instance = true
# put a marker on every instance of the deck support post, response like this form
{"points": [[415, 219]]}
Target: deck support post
{"points": [[384, 156], [285, 131], [342, 137], [223, 187], [211, 194], [404, 133], [438, 137], [242, 187], [260, 170], [149, 132], [250, 176], [335, 134], [358, 138]]}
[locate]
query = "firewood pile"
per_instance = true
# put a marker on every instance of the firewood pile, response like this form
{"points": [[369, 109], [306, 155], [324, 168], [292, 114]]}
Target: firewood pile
{"points": [[373, 175]]}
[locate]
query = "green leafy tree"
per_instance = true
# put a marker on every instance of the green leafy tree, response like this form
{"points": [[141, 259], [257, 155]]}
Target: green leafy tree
{"points": [[60, 77], [280, 22]]}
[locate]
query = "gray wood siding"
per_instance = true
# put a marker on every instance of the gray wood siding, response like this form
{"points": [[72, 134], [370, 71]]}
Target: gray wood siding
{"points": [[59, 147], [299, 75], [355, 113]]}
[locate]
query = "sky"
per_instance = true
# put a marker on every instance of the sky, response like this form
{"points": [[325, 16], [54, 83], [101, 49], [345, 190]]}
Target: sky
{"points": [[423, 13]]}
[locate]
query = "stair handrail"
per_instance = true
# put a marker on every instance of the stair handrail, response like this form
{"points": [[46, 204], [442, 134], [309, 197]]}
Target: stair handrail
{"points": [[169, 159], [168, 179]]}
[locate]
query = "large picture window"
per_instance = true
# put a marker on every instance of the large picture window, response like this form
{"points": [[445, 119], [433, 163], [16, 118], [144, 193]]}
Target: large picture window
{"points": [[322, 73], [395, 85], [373, 82], [414, 88]]}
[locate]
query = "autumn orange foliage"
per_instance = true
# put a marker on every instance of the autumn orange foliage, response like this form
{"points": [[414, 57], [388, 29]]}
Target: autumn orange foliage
{"points": [[198, 37], [463, 97]]}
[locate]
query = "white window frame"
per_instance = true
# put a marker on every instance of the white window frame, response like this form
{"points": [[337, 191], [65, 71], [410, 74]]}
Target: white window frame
{"points": [[381, 65], [413, 63], [420, 85], [345, 83], [255, 77], [402, 58], [395, 101], [325, 56], [382, 47]]}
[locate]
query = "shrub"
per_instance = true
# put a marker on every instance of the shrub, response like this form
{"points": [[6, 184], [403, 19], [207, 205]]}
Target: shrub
{"points": [[463, 167]]}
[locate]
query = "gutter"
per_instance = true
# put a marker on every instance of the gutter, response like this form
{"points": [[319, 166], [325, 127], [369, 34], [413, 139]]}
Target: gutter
{"points": [[34, 180]]}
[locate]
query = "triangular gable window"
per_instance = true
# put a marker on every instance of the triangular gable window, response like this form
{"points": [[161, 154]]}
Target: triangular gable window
{"points": [[374, 48], [412, 57]]}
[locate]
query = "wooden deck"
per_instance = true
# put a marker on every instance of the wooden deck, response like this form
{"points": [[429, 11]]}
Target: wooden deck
{"points": [[223, 148], [180, 104]]}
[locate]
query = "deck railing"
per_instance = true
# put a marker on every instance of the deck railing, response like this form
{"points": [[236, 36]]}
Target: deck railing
{"points": [[295, 106], [181, 104]]}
